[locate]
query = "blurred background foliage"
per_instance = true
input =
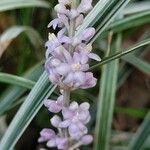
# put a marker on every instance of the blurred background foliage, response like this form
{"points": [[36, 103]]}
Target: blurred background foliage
{"points": [[23, 32]]}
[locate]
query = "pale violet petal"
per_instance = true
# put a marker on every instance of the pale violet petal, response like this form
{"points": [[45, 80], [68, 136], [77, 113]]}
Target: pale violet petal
{"points": [[55, 121], [64, 124], [87, 139], [94, 56]]}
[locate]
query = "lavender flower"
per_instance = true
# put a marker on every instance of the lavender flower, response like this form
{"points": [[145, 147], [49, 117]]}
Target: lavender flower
{"points": [[74, 118], [67, 56]]}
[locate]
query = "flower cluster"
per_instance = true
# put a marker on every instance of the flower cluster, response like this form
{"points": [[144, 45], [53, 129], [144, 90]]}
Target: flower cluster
{"points": [[71, 129], [67, 56]]}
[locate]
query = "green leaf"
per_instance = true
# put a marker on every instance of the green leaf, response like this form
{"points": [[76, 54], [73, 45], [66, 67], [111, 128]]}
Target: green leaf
{"points": [[94, 15], [11, 33], [126, 69], [123, 53], [128, 22], [138, 63], [13, 79], [106, 100], [13, 93], [106, 16], [147, 144], [27, 111], [15, 4], [136, 7], [141, 135]]}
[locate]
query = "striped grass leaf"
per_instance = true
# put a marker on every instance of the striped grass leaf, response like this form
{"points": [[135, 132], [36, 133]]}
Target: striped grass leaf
{"points": [[102, 14], [139, 63], [105, 107], [126, 69], [15, 4], [108, 14], [122, 53], [13, 93], [141, 136], [7, 37], [128, 22], [136, 7], [147, 144], [16, 80], [94, 15], [27, 111]]}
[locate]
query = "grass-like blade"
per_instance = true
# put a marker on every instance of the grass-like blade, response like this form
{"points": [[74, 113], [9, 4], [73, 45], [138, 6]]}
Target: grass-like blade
{"points": [[27, 111], [136, 7], [94, 15], [122, 53], [140, 64], [13, 93], [16, 80], [108, 86], [127, 69], [107, 15], [7, 37], [129, 22], [141, 135], [14, 4]]}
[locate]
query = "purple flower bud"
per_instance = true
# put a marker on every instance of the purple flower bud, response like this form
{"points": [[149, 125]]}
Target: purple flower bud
{"points": [[90, 81], [87, 34], [55, 121], [84, 37], [73, 106], [61, 9], [73, 13], [85, 6], [87, 139], [46, 134], [76, 132], [67, 114], [62, 143], [54, 106], [79, 20], [85, 106], [51, 143], [64, 124]]}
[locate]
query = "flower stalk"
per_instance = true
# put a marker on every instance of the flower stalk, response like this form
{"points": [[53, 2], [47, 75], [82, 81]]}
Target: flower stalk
{"points": [[67, 57]]}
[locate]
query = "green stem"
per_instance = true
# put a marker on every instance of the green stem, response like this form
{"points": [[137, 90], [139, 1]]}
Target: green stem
{"points": [[66, 95], [72, 24]]}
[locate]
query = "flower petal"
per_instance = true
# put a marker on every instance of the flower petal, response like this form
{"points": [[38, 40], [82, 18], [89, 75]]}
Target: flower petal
{"points": [[87, 139], [55, 121], [94, 56], [46, 134], [51, 143], [64, 124]]}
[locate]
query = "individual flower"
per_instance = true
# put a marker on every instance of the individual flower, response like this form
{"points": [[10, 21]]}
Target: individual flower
{"points": [[55, 42], [46, 135], [55, 106], [84, 37], [61, 21], [86, 139], [75, 118], [85, 6], [86, 51]]}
